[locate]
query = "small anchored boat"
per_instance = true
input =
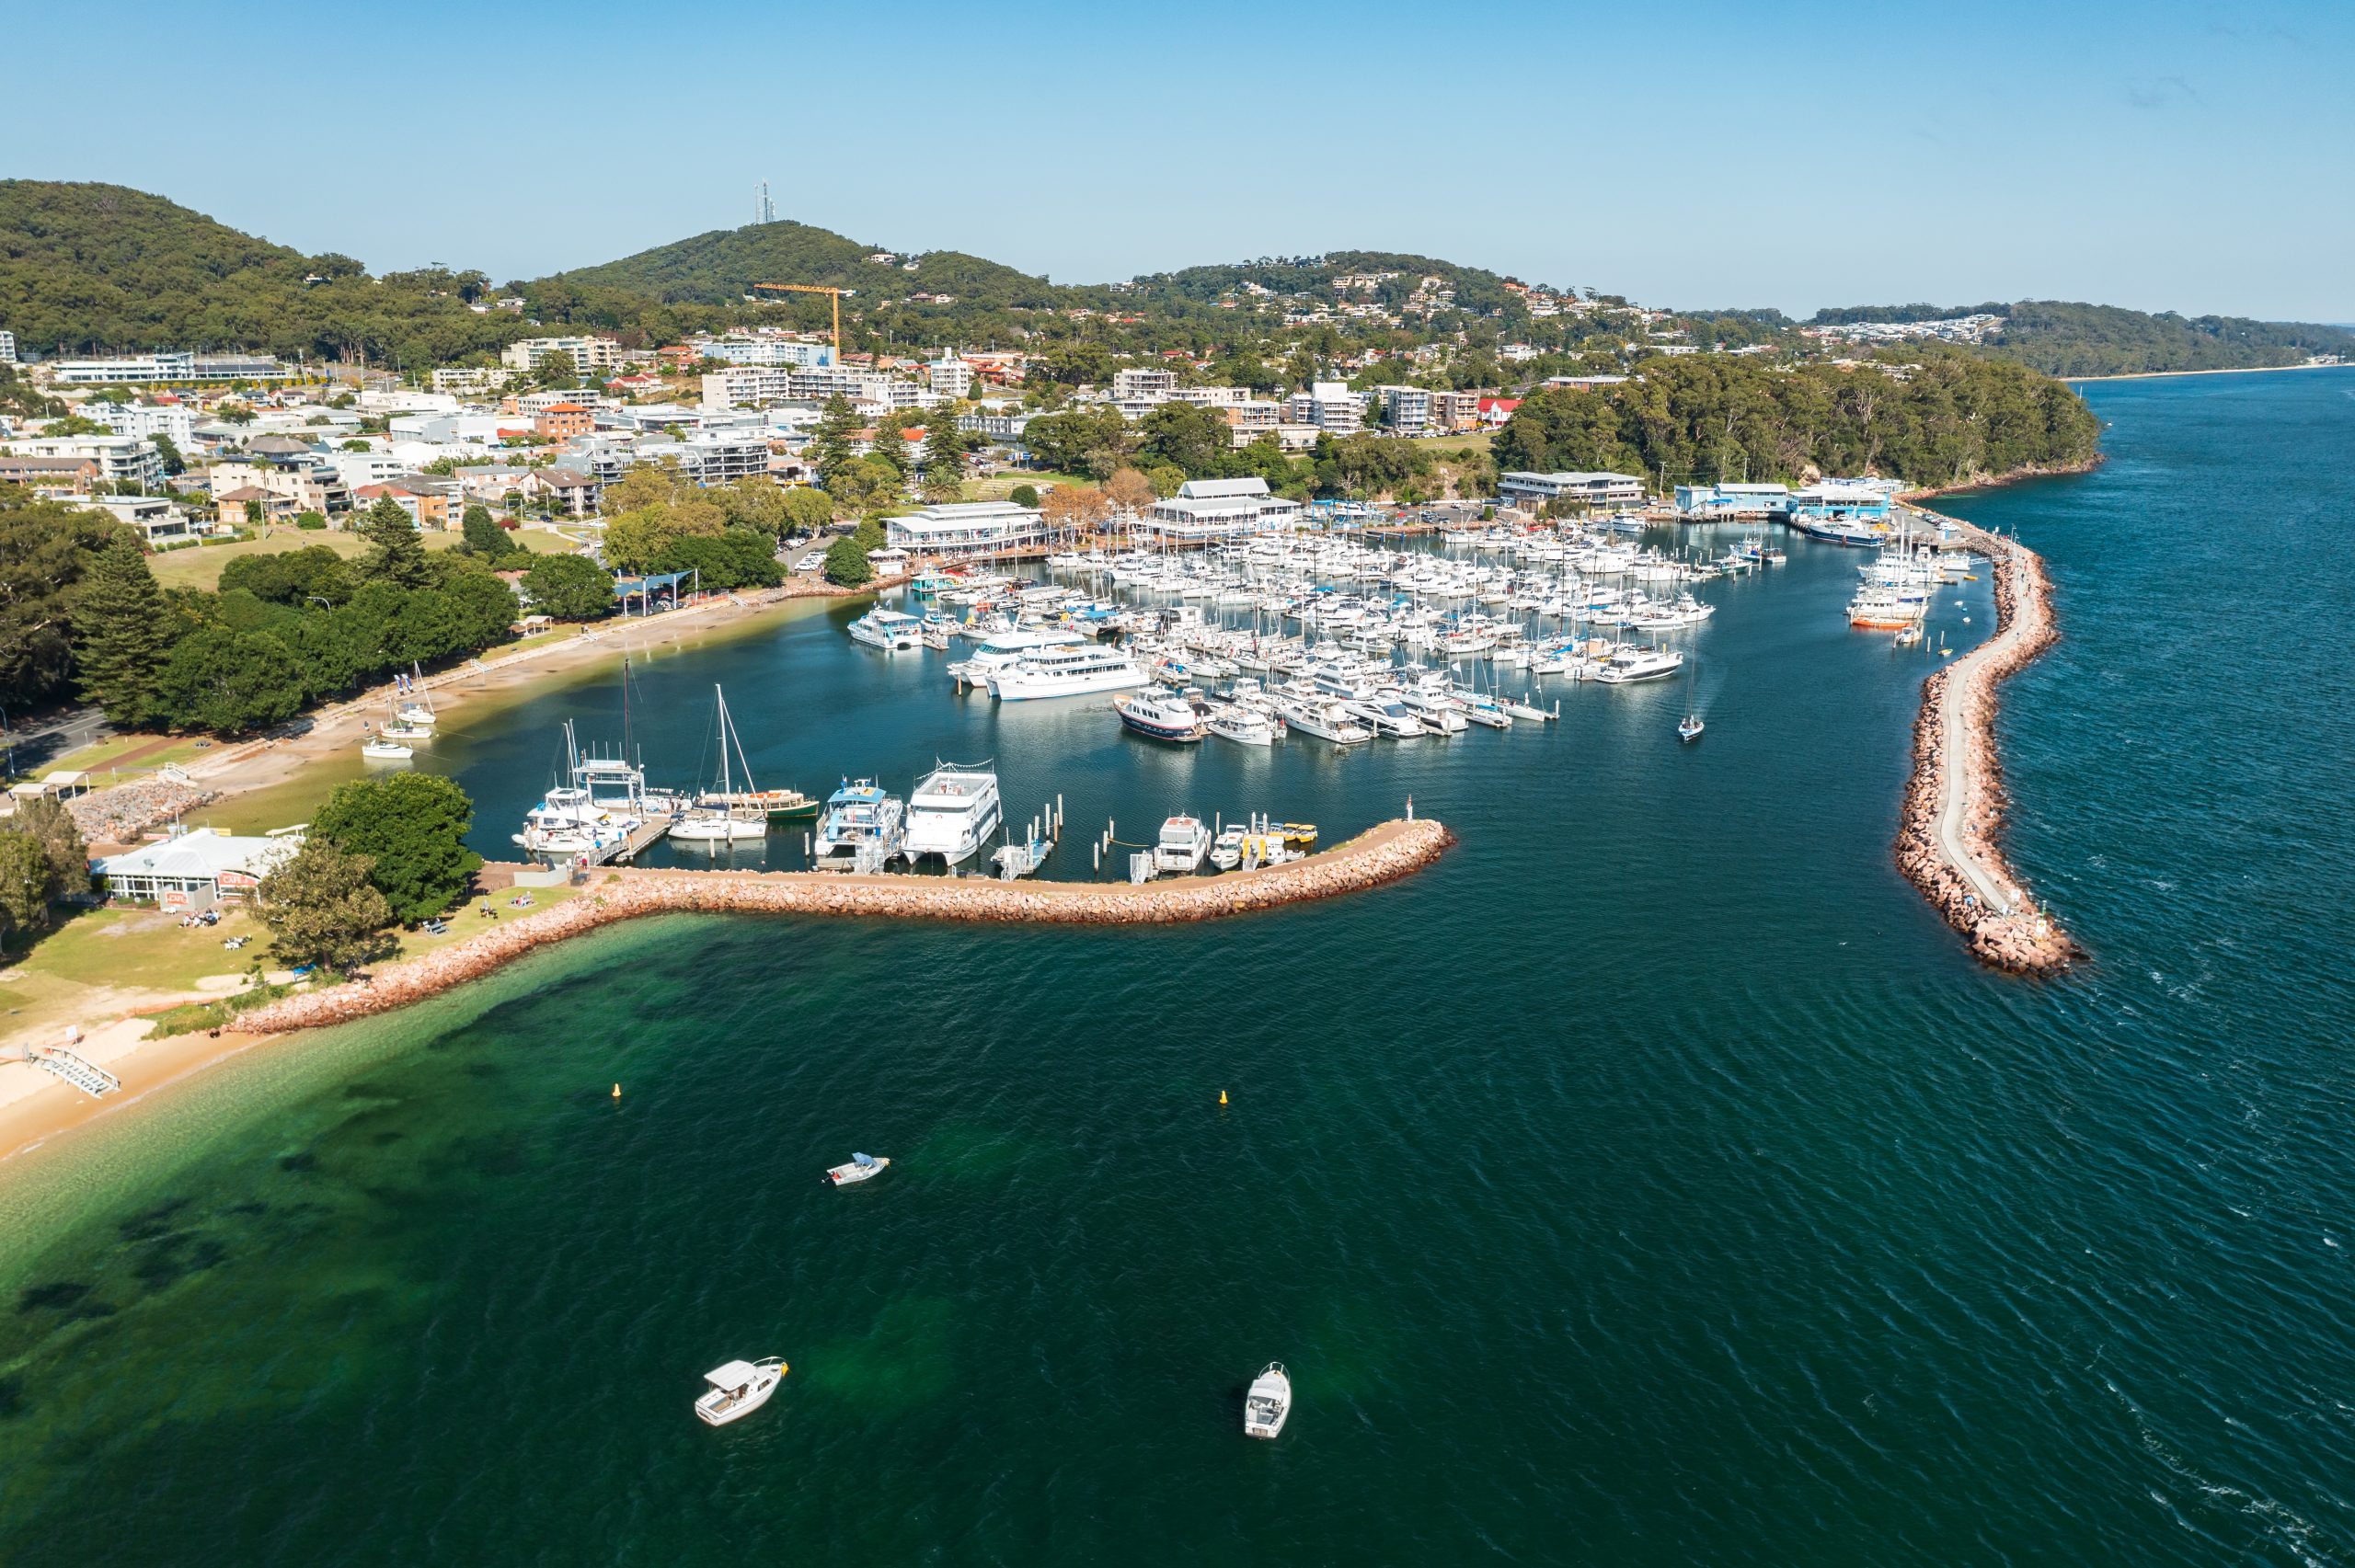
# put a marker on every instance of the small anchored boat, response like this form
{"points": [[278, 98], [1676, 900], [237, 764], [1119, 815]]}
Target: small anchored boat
{"points": [[1268, 1404], [385, 750], [861, 1167], [739, 1389]]}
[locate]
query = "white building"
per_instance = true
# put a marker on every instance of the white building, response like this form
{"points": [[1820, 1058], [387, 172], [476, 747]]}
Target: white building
{"points": [[949, 376], [1331, 406], [175, 422], [772, 353], [1582, 488], [1144, 384], [587, 353], [7, 348], [139, 370], [357, 469], [158, 521], [195, 870], [120, 459], [1406, 409], [966, 528], [477, 381], [406, 400], [1204, 511]]}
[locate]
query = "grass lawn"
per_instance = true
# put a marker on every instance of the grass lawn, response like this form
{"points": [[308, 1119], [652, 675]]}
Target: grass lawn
{"points": [[1449, 446], [200, 567], [998, 485], [141, 948]]}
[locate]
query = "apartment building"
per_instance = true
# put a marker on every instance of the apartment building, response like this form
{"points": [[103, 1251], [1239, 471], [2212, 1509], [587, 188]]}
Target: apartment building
{"points": [[1407, 410], [1455, 410], [175, 422], [949, 376], [587, 353], [562, 421], [1331, 406], [771, 352], [117, 459], [477, 381], [1147, 385], [7, 348]]}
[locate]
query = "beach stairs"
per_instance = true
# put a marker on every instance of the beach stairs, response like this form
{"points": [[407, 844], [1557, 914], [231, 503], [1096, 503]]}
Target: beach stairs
{"points": [[88, 1077]]}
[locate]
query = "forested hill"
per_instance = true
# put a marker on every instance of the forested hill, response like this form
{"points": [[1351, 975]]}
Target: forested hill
{"points": [[2065, 339], [720, 267], [96, 268]]}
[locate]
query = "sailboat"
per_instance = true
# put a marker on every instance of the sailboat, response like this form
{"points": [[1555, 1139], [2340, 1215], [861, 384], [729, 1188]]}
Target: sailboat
{"points": [[1689, 729], [721, 824], [419, 714]]}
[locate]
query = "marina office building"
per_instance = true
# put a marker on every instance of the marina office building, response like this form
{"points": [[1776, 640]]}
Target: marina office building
{"points": [[1524, 488], [1700, 503], [965, 529], [1210, 511]]}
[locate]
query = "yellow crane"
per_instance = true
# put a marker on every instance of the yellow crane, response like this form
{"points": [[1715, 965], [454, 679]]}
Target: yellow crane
{"points": [[817, 289]]}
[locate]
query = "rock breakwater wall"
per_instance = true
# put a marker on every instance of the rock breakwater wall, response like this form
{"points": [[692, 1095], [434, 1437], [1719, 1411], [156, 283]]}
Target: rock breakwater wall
{"points": [[1384, 854]]}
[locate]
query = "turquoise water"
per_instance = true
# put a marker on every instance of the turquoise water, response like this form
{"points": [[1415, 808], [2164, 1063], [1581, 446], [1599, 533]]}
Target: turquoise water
{"points": [[1652, 1180]]}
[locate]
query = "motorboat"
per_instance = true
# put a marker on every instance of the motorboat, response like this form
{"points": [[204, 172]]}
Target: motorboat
{"points": [[859, 1168], [1163, 715], [1226, 849], [738, 1388], [1884, 609], [1065, 672], [1385, 713], [1691, 728], [951, 813], [1324, 718], [1245, 727], [1268, 1405], [888, 629], [1183, 845], [861, 820], [1633, 663]]}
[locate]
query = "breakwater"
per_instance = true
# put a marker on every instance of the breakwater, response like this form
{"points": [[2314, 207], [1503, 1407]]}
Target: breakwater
{"points": [[1955, 801], [1383, 853]]}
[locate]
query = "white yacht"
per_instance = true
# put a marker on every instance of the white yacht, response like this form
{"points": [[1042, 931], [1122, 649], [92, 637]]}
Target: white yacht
{"points": [[860, 1168], [1185, 842], [1632, 663], [1324, 718], [1245, 727], [860, 820], [888, 629], [728, 823], [738, 1388], [1387, 714], [1000, 649], [1163, 715], [951, 813], [1065, 672], [1226, 849], [1268, 1405]]}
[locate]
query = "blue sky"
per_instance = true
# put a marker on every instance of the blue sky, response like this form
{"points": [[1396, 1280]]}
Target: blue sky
{"points": [[2164, 156]]}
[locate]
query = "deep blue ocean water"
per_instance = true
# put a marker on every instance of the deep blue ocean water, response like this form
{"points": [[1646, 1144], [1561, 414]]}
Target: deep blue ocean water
{"points": [[1655, 1180]]}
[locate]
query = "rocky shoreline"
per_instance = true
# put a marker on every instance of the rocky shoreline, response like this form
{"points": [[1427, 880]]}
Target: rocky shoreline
{"points": [[2006, 932], [1384, 853]]}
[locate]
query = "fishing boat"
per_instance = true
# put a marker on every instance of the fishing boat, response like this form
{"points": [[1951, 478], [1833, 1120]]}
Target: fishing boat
{"points": [[1163, 715], [888, 629], [1268, 1405], [724, 824], [738, 1388], [860, 1168], [860, 821], [952, 812], [1182, 846]]}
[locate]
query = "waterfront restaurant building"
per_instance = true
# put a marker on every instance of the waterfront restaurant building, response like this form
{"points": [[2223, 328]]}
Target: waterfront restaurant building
{"points": [[1522, 488], [1846, 500], [195, 870], [965, 529], [1209, 511]]}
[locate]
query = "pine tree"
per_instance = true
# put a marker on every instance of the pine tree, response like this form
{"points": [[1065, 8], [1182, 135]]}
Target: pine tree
{"points": [[396, 553], [831, 442], [484, 536], [121, 637], [944, 450]]}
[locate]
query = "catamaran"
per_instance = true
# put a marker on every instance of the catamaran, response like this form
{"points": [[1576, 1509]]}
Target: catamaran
{"points": [[860, 821], [951, 813]]}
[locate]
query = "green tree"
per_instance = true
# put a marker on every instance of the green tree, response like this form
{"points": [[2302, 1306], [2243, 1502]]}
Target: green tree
{"points": [[45, 820], [483, 537], [229, 681], [321, 910], [412, 827], [174, 463], [807, 511], [122, 633], [830, 442], [846, 563], [864, 485], [755, 504], [311, 521], [45, 548], [24, 884], [1023, 495], [571, 588], [395, 552]]}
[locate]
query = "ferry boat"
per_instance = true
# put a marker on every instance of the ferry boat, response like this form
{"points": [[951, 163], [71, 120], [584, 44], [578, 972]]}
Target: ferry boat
{"points": [[1001, 649], [1163, 715], [1268, 1405], [951, 813], [860, 1168], [738, 1388], [1065, 672], [860, 821], [1182, 846], [888, 629]]}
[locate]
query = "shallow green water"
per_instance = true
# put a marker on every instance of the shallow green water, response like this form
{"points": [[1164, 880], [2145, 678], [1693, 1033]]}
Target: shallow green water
{"points": [[1652, 1180]]}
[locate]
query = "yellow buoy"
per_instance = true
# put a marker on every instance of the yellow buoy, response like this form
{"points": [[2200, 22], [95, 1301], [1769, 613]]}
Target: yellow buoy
{"points": [[617, 1091], [1222, 1096]]}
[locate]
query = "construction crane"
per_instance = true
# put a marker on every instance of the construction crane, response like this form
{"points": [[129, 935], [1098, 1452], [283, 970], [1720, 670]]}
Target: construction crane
{"points": [[817, 289]]}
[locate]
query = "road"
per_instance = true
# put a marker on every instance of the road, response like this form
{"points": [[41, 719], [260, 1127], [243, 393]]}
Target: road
{"points": [[26, 750]]}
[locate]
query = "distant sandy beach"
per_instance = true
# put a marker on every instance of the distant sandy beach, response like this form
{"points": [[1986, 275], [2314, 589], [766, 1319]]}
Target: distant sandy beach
{"points": [[2236, 370]]}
